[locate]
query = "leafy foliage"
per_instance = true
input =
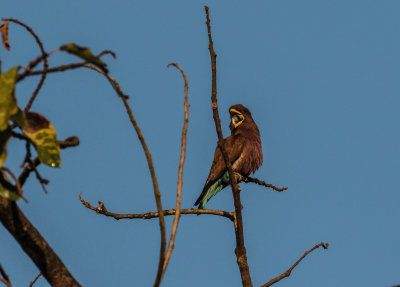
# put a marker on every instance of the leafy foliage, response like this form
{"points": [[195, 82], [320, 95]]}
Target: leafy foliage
{"points": [[9, 109], [43, 135]]}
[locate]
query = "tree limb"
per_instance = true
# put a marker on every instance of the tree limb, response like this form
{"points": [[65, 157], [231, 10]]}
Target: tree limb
{"points": [[240, 249], [34, 245]]}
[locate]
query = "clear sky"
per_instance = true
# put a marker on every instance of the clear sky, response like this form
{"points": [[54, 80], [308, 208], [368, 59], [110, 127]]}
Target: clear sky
{"points": [[321, 79]]}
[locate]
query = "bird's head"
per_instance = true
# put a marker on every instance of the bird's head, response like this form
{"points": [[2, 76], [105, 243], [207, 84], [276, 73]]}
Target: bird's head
{"points": [[240, 118]]}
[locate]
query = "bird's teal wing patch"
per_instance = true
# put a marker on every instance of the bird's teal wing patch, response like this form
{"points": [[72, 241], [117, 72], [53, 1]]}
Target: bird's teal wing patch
{"points": [[215, 188]]}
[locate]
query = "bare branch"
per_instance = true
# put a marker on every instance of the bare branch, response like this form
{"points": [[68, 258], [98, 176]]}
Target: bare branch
{"points": [[287, 273], [61, 68], [33, 64], [34, 281], [171, 242], [101, 209], [45, 62], [157, 193], [263, 183], [240, 249], [28, 71]]}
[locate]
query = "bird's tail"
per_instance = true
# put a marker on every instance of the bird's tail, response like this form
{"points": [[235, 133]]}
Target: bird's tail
{"points": [[210, 191]]}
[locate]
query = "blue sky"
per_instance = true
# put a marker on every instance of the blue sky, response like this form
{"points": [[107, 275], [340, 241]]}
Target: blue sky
{"points": [[321, 80]]}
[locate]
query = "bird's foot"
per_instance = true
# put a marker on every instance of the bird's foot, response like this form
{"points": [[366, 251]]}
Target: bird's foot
{"points": [[238, 177]]}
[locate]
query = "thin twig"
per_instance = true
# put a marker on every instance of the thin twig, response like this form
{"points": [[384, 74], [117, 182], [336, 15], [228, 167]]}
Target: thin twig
{"points": [[45, 61], [157, 193], [43, 182], [17, 182], [28, 71], [263, 183], [287, 273], [27, 171], [174, 228], [33, 64], [118, 90], [101, 209], [107, 52], [34, 281], [61, 68], [5, 279], [69, 142], [240, 249]]}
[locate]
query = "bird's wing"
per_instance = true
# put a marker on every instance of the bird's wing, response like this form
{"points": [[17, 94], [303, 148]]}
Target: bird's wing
{"points": [[234, 146]]}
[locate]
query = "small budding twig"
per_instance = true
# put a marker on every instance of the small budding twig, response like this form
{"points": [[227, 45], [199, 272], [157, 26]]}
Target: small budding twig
{"points": [[101, 209], [289, 271]]}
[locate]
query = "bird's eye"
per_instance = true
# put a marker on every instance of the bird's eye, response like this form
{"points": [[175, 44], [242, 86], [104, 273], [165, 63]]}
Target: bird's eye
{"points": [[237, 119]]}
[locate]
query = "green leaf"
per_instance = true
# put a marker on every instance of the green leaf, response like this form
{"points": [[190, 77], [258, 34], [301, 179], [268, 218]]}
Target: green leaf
{"points": [[7, 189], [85, 54], [43, 135], [8, 102], [4, 137]]}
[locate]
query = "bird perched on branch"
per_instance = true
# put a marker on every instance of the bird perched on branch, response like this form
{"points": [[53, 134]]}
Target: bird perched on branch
{"points": [[244, 151]]}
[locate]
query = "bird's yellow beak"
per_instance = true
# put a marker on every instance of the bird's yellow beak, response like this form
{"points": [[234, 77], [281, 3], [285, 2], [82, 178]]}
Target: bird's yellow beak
{"points": [[236, 117]]}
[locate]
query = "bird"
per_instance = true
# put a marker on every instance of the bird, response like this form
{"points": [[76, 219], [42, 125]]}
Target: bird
{"points": [[244, 152]]}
